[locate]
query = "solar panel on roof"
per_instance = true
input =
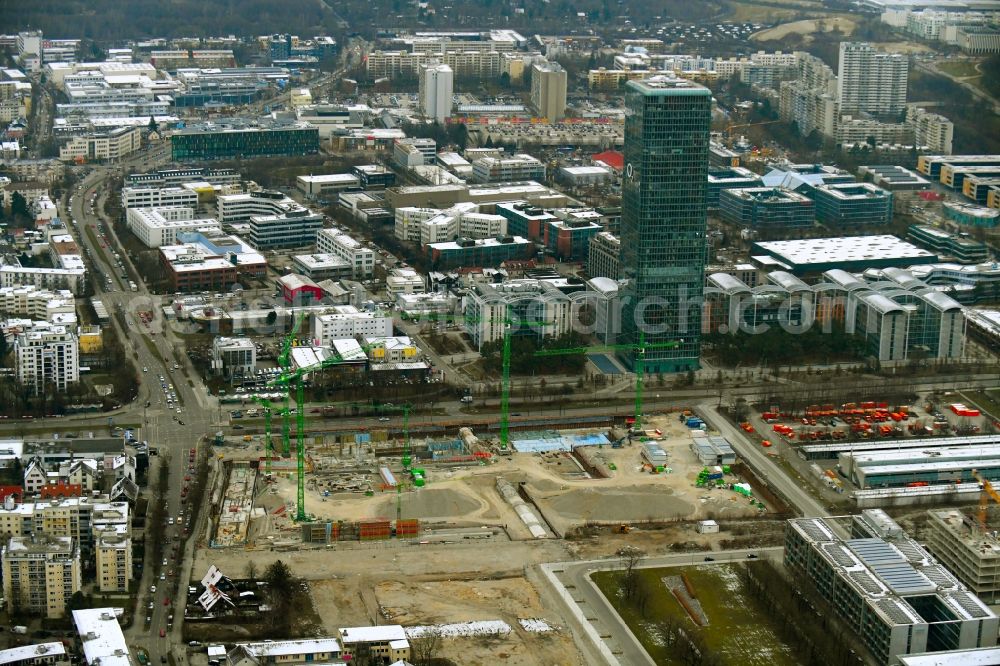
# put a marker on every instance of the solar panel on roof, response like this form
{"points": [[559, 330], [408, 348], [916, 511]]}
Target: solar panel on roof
{"points": [[903, 579], [968, 603], [866, 582], [894, 611], [940, 576], [839, 554], [874, 551]]}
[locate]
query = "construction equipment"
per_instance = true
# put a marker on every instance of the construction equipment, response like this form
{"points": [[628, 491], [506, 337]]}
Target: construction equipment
{"points": [[284, 361], [292, 380], [407, 459], [508, 323], [640, 367], [988, 492]]}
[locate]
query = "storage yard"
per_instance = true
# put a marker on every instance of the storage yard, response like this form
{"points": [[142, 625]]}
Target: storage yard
{"points": [[880, 454]]}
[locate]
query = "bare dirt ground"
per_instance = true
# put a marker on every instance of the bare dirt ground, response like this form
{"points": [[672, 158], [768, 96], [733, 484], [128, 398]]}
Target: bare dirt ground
{"points": [[486, 580], [442, 602], [805, 28]]}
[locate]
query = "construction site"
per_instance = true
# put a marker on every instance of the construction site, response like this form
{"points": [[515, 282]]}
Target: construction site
{"points": [[440, 521], [543, 485]]}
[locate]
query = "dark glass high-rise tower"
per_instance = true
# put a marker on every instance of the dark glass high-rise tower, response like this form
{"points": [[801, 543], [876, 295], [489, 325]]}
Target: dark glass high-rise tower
{"points": [[667, 122]]}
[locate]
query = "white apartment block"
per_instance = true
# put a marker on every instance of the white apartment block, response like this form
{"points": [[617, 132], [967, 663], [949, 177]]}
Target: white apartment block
{"points": [[113, 552], [159, 197], [931, 130], [157, 227], [47, 356], [869, 81], [35, 303], [346, 321], [40, 574], [516, 168], [112, 145], [436, 86], [339, 244], [71, 279], [239, 207]]}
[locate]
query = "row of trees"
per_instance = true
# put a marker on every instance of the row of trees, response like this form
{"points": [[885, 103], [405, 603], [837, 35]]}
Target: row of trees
{"points": [[780, 347], [524, 358], [817, 638]]}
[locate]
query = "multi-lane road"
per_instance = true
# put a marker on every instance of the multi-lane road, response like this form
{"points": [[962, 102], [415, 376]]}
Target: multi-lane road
{"points": [[173, 430]]}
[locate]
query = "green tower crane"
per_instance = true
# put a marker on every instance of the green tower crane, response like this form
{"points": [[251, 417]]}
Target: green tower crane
{"points": [[292, 381], [284, 362], [508, 323], [640, 355]]}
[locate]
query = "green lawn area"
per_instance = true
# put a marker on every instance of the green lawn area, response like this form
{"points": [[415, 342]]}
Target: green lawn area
{"points": [[959, 68], [988, 400], [736, 631]]}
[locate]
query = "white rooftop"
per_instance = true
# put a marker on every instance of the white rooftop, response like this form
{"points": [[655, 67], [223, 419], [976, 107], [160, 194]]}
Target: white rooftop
{"points": [[102, 637], [39, 651], [384, 633], [289, 648], [847, 249]]}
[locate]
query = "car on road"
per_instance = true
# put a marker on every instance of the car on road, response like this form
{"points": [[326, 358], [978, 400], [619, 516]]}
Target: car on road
{"points": [[166, 602], [145, 369], [163, 576], [152, 589], [163, 633], [383, 418]]}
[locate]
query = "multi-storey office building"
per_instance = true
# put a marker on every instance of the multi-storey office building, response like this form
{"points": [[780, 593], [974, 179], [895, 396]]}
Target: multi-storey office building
{"points": [[339, 244], [972, 555], [507, 169], [488, 307], [177, 177], [112, 145], [156, 227], [899, 316], [895, 597], [663, 226], [966, 250], [727, 178], [159, 197], [845, 204], [211, 141], [484, 252], [766, 207], [294, 228]]}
